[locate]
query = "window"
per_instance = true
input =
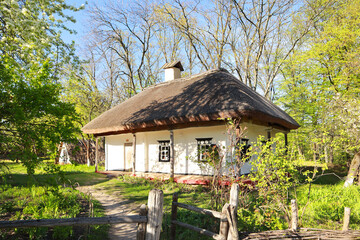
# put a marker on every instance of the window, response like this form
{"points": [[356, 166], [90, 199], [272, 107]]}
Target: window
{"points": [[204, 146], [242, 148], [164, 151]]}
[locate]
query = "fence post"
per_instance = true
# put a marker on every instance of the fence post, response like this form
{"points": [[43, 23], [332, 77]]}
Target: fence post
{"points": [[232, 211], [155, 214], [141, 229], [173, 216], [234, 195], [294, 216], [224, 225], [347, 212]]}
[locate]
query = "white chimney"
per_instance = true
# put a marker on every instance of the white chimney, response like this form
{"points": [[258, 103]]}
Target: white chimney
{"points": [[173, 70]]}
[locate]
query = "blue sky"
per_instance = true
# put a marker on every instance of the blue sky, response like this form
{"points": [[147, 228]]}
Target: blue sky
{"points": [[81, 21]]}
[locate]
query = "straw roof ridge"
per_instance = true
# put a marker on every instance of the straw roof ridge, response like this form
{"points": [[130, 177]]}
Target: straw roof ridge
{"points": [[187, 78], [203, 97]]}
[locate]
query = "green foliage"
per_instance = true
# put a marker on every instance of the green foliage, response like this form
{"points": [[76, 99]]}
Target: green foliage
{"points": [[321, 84], [273, 170], [324, 207], [47, 198], [267, 205], [33, 118]]}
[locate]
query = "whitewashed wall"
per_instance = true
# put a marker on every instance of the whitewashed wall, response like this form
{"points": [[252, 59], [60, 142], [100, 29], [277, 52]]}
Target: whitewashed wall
{"points": [[147, 148]]}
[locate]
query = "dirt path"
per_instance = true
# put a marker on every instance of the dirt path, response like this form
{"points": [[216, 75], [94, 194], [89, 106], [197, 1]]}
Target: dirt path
{"points": [[114, 205]]}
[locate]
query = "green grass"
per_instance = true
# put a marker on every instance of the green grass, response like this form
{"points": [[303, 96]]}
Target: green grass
{"points": [[324, 207], [15, 175], [48, 194]]}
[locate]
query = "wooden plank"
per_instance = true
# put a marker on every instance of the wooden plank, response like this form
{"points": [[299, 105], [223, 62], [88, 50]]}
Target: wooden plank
{"points": [[347, 212], [224, 225], [141, 229], [303, 233], [199, 230], [208, 212], [155, 214], [72, 221], [294, 216], [173, 216]]}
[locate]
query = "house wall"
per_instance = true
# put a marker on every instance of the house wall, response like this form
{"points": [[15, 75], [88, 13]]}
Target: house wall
{"points": [[185, 144]]}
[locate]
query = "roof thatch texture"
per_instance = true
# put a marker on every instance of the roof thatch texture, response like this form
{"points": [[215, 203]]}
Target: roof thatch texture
{"points": [[197, 99]]}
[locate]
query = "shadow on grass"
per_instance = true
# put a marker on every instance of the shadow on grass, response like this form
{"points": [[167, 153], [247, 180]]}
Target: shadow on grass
{"points": [[331, 176], [76, 178]]}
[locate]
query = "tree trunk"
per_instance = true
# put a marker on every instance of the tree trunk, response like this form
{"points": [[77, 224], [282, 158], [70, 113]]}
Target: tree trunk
{"points": [[353, 170]]}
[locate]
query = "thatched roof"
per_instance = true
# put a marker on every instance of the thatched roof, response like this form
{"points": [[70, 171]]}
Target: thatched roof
{"points": [[189, 101]]}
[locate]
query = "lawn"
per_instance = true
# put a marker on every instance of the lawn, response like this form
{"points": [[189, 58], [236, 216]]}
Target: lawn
{"points": [[48, 194]]}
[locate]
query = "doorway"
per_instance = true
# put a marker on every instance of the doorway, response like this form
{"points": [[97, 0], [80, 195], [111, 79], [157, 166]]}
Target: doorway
{"points": [[128, 156]]}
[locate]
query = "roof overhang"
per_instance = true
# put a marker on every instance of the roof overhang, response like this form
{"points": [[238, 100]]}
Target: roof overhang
{"points": [[194, 121]]}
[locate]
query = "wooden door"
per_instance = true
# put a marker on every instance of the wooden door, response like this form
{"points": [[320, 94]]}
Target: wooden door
{"points": [[128, 156]]}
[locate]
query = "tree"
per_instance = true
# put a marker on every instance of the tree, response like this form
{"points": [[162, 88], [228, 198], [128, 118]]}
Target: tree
{"points": [[322, 83], [127, 34], [33, 118]]}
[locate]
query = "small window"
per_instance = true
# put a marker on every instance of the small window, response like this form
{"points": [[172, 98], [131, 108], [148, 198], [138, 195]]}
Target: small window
{"points": [[204, 146], [242, 147], [164, 151]]}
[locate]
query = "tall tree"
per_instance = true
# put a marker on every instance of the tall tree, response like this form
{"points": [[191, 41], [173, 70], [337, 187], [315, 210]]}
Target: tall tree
{"points": [[33, 119], [322, 84]]}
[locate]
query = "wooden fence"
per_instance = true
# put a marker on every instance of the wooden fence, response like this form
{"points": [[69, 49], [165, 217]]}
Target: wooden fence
{"points": [[149, 220], [228, 217], [294, 232]]}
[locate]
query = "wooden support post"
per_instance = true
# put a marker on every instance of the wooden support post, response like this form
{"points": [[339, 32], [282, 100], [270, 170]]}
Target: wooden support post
{"points": [[294, 215], [155, 214], [224, 225], [134, 154], [347, 212], [96, 154], [173, 216], [141, 229], [172, 156], [286, 143]]}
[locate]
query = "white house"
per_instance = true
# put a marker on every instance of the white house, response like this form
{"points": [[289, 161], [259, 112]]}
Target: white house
{"points": [[162, 128]]}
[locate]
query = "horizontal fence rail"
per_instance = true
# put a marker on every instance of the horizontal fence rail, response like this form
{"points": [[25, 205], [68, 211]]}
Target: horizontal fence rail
{"points": [[228, 227], [149, 221], [73, 221], [199, 230], [204, 211]]}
